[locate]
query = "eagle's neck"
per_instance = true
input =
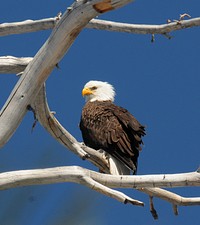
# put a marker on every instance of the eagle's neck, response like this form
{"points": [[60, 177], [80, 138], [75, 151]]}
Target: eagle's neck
{"points": [[100, 97]]}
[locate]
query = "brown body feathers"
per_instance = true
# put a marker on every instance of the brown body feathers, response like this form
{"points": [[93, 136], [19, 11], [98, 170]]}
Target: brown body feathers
{"points": [[113, 129]]}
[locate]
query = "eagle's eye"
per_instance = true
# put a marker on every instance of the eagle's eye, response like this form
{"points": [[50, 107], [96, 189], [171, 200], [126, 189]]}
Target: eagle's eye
{"points": [[93, 88]]}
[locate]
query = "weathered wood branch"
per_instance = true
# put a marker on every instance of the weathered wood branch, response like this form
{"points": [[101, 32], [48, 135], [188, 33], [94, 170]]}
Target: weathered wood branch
{"points": [[59, 175], [11, 64], [102, 182], [49, 23], [38, 70], [27, 26], [152, 181], [143, 28], [168, 196]]}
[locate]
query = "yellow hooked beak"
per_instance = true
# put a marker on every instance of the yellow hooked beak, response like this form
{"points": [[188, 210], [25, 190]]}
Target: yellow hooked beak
{"points": [[86, 91]]}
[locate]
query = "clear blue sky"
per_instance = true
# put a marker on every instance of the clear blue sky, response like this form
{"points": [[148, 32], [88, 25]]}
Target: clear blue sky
{"points": [[158, 83]]}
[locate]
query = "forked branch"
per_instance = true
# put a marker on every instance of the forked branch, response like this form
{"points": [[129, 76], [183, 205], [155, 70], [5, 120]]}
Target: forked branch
{"points": [[104, 182]]}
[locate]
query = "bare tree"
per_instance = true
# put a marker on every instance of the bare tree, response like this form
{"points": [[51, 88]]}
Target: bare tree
{"points": [[29, 94]]}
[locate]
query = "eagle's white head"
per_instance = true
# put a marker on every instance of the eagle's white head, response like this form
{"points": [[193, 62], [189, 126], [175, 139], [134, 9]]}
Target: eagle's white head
{"points": [[98, 91]]}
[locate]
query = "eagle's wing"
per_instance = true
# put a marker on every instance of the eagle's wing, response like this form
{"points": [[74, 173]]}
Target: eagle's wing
{"points": [[125, 135]]}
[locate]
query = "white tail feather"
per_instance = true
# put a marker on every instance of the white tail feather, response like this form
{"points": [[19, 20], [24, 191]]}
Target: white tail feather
{"points": [[117, 167]]}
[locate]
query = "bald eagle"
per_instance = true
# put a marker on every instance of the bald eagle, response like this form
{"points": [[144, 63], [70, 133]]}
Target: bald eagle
{"points": [[111, 128]]}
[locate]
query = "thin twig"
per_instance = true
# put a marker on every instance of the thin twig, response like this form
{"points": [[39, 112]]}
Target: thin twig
{"points": [[152, 209]]}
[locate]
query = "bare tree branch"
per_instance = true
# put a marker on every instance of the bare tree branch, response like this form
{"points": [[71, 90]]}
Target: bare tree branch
{"points": [[171, 197], [27, 26], [38, 70], [10, 64], [102, 182], [143, 28], [49, 23], [89, 182], [59, 175], [152, 181]]}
